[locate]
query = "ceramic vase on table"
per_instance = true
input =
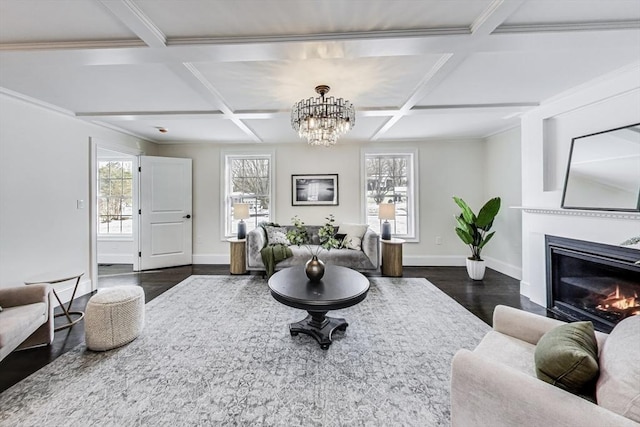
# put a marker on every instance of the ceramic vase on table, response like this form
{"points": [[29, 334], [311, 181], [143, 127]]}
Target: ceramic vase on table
{"points": [[475, 269], [314, 269]]}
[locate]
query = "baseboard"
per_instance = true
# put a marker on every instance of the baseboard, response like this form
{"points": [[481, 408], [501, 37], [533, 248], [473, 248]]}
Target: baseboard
{"points": [[65, 290], [115, 259], [210, 259], [434, 261], [409, 261], [524, 288], [504, 268]]}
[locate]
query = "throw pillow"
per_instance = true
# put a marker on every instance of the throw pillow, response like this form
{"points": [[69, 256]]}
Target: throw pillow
{"points": [[276, 235], [354, 234], [567, 357], [340, 238], [617, 388]]}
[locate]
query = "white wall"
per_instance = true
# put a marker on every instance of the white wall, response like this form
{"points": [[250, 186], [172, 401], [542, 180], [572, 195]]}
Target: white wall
{"points": [[547, 131], [502, 166], [116, 251], [44, 170], [446, 168]]}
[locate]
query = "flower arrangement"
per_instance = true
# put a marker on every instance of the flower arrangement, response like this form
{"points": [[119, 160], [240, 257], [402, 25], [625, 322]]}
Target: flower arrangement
{"points": [[299, 236]]}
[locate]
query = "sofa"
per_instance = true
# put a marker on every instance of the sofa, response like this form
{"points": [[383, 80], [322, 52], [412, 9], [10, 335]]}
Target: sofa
{"points": [[365, 259], [496, 384], [26, 319]]}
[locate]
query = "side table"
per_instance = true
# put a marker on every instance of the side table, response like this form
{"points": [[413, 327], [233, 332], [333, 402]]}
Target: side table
{"points": [[392, 257], [52, 278], [238, 256]]}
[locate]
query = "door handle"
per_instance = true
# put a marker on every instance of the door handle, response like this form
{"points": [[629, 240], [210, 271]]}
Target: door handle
{"points": [[187, 216]]}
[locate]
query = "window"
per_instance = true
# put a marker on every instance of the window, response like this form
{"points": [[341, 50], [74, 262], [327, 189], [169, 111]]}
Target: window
{"points": [[115, 200], [248, 180], [389, 178]]}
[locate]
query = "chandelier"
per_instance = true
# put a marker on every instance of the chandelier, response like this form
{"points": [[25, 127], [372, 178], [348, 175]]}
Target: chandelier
{"points": [[322, 120]]}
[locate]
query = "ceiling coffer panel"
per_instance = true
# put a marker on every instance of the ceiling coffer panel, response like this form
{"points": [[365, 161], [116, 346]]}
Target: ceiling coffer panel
{"points": [[59, 21]]}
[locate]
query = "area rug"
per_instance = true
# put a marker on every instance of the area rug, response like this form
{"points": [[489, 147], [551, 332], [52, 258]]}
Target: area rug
{"points": [[216, 351]]}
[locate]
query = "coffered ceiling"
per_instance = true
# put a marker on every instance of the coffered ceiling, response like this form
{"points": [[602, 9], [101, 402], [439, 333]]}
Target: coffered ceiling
{"points": [[229, 71]]}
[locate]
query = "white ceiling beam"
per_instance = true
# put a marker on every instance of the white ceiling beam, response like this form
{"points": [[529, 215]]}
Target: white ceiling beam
{"points": [[30, 55], [152, 115], [493, 16], [134, 18], [270, 114]]}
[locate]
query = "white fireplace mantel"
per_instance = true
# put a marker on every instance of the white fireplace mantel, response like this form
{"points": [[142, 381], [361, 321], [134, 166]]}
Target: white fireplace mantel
{"points": [[580, 212]]}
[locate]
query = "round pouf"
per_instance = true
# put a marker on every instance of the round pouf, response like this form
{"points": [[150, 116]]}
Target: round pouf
{"points": [[114, 317]]}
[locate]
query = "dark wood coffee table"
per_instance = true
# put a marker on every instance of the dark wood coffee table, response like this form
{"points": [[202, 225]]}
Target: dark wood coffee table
{"points": [[340, 287]]}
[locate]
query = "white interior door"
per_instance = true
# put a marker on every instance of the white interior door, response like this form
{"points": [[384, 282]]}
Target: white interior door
{"points": [[165, 212]]}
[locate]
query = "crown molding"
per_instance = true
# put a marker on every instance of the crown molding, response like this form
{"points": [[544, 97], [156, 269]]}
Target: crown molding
{"points": [[25, 98], [67, 45], [354, 35], [567, 26]]}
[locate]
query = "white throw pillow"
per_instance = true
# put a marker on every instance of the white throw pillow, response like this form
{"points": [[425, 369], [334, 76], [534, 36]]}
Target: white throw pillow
{"points": [[276, 235], [617, 388], [354, 234]]}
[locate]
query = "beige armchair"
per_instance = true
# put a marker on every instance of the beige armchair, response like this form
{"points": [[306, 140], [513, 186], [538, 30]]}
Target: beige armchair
{"points": [[26, 319], [496, 385]]}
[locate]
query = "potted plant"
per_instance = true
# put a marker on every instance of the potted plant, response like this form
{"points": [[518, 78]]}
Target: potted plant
{"points": [[474, 231]]}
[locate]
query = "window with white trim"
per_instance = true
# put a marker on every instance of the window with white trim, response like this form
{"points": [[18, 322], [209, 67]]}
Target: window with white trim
{"points": [[115, 197], [248, 179], [390, 178]]}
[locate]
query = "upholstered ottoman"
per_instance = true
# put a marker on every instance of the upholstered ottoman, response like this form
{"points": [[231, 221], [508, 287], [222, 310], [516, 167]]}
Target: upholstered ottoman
{"points": [[114, 317]]}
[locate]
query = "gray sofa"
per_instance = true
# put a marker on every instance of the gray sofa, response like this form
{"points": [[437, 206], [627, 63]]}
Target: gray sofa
{"points": [[496, 384], [26, 319], [367, 259]]}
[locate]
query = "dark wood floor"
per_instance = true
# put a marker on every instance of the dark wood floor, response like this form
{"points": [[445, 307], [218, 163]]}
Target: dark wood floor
{"points": [[480, 298]]}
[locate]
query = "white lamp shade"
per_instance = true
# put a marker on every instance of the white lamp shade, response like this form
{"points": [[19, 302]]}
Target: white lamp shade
{"points": [[387, 211], [240, 210]]}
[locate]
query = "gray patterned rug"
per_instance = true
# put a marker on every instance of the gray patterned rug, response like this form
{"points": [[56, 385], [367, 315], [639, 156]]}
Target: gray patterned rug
{"points": [[216, 351]]}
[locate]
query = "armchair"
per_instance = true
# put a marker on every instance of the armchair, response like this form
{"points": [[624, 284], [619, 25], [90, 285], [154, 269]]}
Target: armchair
{"points": [[496, 384], [26, 319]]}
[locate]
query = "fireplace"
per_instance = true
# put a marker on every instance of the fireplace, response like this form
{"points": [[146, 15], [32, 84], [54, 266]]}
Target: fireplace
{"points": [[592, 281]]}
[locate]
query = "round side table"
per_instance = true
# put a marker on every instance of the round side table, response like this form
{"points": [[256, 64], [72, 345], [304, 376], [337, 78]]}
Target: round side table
{"points": [[238, 256], [52, 278], [392, 257]]}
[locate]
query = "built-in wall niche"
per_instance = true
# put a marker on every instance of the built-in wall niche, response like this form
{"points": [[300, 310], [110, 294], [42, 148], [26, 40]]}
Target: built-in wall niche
{"points": [[603, 172]]}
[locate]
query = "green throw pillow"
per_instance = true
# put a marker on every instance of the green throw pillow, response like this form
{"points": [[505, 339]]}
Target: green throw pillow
{"points": [[567, 357]]}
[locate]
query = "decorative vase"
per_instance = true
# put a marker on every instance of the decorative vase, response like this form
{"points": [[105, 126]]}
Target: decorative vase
{"points": [[314, 269], [475, 269]]}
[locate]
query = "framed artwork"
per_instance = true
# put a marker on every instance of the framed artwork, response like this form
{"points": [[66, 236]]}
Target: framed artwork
{"points": [[314, 190]]}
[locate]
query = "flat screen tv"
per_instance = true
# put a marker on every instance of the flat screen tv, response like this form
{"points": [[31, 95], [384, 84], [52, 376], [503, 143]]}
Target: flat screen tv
{"points": [[603, 172]]}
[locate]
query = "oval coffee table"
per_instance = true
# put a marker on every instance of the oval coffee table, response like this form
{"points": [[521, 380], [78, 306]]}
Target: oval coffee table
{"points": [[340, 287]]}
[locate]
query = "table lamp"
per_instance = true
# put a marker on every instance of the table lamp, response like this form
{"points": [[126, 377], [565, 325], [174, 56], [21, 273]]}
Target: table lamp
{"points": [[241, 212], [386, 211]]}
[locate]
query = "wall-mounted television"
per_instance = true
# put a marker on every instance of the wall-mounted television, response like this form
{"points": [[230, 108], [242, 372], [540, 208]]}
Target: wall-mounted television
{"points": [[603, 172]]}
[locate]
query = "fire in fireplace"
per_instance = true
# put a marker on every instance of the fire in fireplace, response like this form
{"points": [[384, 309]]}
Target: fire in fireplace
{"points": [[592, 281], [618, 303]]}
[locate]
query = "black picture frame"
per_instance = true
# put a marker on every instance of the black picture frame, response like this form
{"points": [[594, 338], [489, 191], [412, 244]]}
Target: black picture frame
{"points": [[314, 190]]}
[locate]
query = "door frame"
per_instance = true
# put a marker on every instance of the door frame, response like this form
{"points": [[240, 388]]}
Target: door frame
{"points": [[95, 144]]}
